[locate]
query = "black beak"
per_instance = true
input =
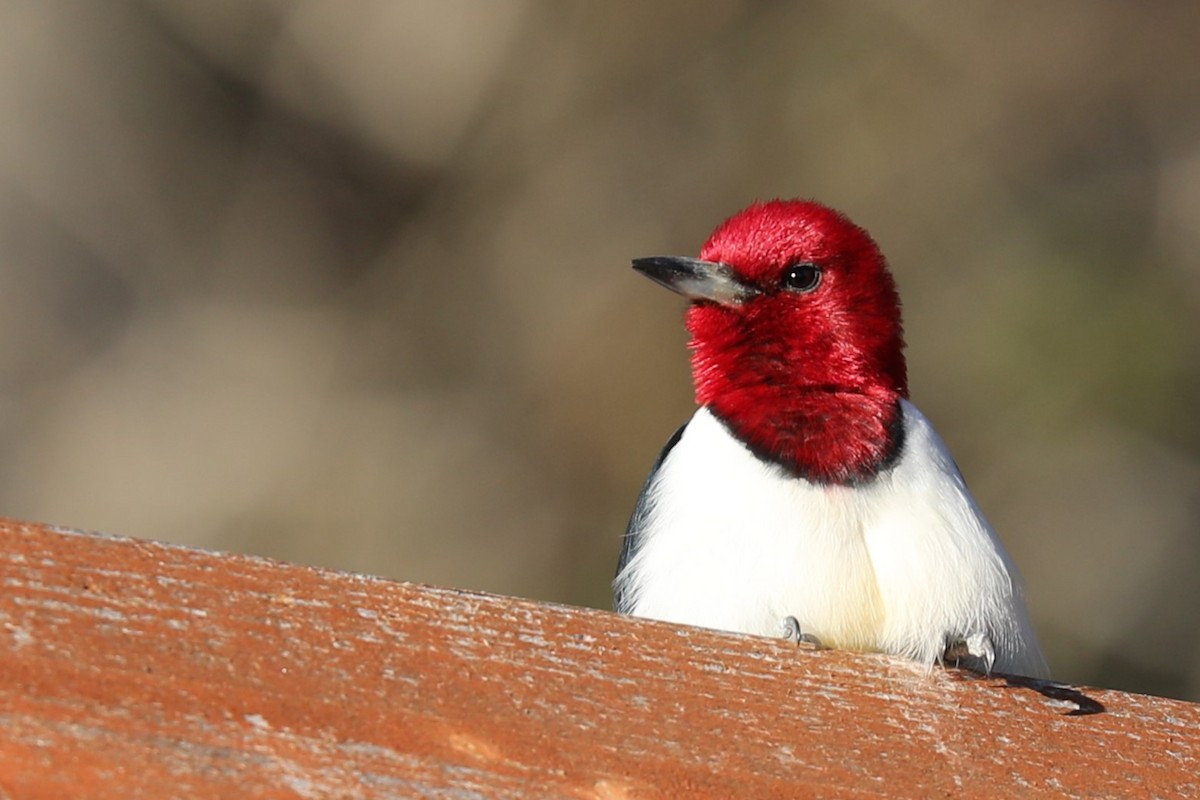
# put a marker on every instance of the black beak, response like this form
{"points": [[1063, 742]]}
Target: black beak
{"points": [[696, 279]]}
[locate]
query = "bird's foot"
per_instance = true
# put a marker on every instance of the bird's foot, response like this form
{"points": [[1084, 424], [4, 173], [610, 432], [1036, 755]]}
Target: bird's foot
{"points": [[791, 630], [974, 652]]}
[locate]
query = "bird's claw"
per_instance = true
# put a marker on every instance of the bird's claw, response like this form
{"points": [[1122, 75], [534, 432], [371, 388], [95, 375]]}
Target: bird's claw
{"points": [[791, 630], [974, 651]]}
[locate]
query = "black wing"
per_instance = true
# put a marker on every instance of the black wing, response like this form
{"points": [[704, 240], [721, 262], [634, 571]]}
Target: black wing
{"points": [[637, 523]]}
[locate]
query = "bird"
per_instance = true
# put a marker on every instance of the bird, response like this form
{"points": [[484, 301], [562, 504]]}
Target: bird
{"points": [[807, 496]]}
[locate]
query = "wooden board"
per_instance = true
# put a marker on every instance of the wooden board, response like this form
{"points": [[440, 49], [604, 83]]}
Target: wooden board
{"points": [[136, 669]]}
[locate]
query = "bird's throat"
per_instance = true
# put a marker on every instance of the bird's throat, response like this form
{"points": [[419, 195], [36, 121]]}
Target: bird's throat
{"points": [[825, 435]]}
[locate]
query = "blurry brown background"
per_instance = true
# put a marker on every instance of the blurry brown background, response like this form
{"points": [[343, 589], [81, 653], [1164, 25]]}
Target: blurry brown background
{"points": [[347, 283]]}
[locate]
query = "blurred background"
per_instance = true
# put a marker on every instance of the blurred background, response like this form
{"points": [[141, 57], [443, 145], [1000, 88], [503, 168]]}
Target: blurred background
{"points": [[348, 283]]}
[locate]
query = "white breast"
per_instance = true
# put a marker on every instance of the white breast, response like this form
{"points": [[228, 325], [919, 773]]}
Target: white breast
{"points": [[899, 564]]}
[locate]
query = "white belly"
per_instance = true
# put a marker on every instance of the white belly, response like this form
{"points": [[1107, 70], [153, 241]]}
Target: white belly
{"points": [[898, 564]]}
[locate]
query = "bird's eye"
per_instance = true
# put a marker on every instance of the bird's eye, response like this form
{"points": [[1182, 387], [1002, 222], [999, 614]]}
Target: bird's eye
{"points": [[802, 278]]}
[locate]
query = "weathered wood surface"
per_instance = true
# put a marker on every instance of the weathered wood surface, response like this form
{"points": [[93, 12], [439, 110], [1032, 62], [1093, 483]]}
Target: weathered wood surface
{"points": [[135, 669]]}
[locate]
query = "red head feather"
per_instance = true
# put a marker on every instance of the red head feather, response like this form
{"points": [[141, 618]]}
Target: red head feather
{"points": [[808, 378]]}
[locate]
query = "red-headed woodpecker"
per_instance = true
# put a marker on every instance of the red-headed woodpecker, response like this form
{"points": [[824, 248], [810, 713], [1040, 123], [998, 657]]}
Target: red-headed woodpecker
{"points": [[807, 496]]}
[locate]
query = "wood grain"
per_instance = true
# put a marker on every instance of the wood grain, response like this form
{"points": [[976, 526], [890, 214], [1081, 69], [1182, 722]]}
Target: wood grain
{"points": [[137, 669]]}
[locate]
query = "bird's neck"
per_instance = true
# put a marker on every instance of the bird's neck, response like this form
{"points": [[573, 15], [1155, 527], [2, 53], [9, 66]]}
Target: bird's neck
{"points": [[822, 403], [824, 434]]}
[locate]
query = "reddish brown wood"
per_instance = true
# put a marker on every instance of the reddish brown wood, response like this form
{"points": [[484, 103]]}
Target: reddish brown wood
{"points": [[137, 669]]}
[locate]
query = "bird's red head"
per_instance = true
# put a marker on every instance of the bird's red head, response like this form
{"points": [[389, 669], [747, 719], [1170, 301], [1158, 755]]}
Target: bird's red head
{"points": [[796, 338]]}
